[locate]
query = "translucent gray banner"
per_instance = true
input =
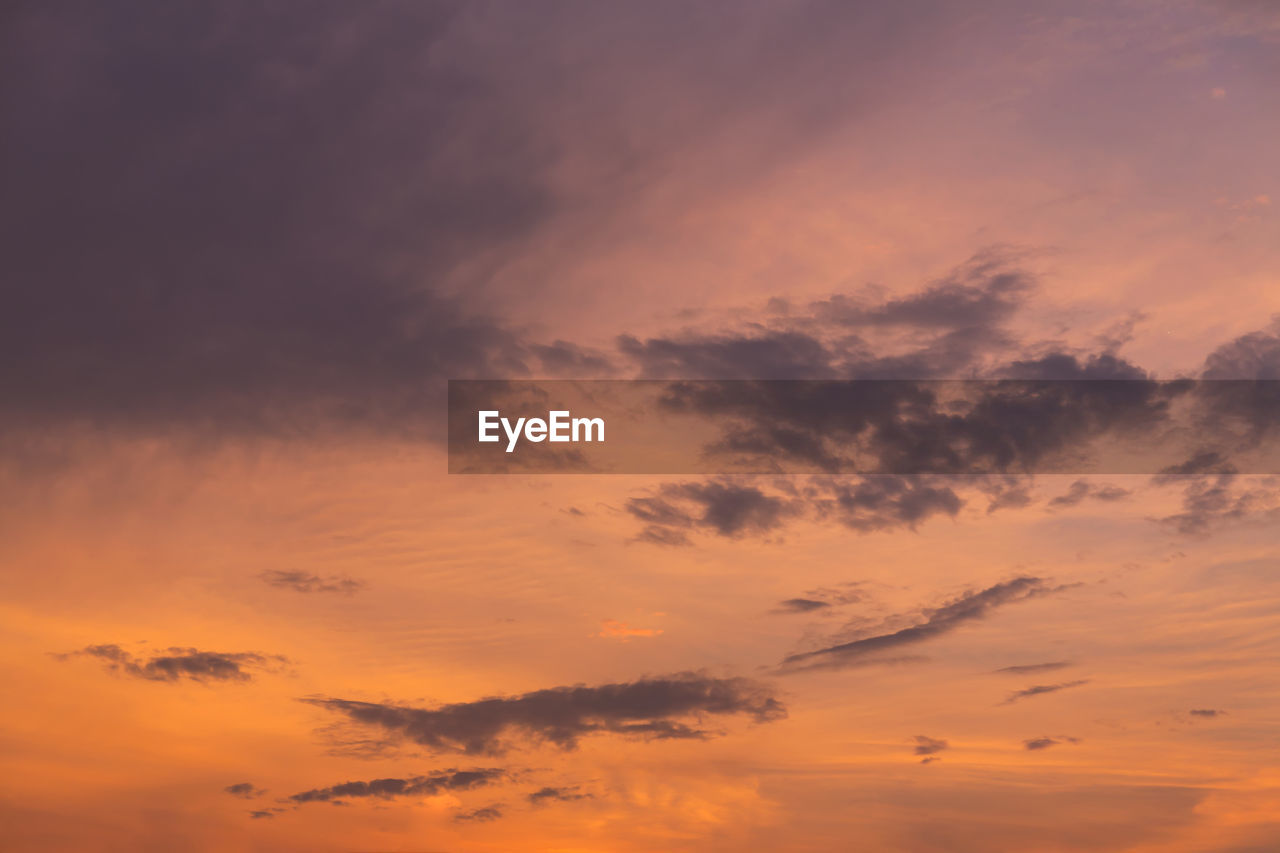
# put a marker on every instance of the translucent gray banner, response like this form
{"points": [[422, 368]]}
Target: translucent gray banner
{"points": [[1178, 427]]}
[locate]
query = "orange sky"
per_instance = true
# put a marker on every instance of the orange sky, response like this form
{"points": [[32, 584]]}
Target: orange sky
{"points": [[249, 246]]}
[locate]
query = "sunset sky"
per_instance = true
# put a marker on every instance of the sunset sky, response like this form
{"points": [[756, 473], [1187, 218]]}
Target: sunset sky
{"points": [[244, 607]]}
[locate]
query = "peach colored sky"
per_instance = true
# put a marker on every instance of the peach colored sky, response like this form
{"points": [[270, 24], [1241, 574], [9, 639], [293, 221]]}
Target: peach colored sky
{"points": [[248, 246]]}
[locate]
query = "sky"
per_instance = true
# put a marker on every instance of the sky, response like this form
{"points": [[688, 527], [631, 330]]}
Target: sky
{"points": [[243, 605]]}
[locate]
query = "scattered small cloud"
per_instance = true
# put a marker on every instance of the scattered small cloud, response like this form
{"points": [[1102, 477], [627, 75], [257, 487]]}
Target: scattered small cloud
{"points": [[1041, 689], [1044, 742], [244, 790], [176, 663], [929, 746], [481, 815], [1206, 713], [552, 794], [1032, 668], [1081, 490]]}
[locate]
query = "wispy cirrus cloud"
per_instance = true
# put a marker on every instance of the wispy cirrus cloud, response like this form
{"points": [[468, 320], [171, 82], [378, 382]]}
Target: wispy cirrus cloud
{"points": [[936, 622], [1041, 690]]}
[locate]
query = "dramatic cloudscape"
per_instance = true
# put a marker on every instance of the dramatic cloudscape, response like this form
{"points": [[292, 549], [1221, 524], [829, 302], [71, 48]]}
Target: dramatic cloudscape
{"points": [[244, 605]]}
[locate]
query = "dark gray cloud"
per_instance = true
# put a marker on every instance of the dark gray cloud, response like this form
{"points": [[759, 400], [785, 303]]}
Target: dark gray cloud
{"points": [[929, 746], [1206, 713], [661, 708], [261, 814], [483, 814], [1044, 742], [936, 622], [244, 790], [429, 785], [1081, 490], [308, 582], [175, 664], [553, 794], [1042, 689], [1032, 668]]}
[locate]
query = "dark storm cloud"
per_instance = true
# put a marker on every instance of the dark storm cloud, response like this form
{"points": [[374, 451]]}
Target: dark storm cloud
{"points": [[936, 622], [413, 786], [1032, 668], [929, 746], [1080, 491], [245, 790], [1044, 742], [551, 794], [307, 582], [1042, 689], [239, 214], [659, 708], [175, 664]]}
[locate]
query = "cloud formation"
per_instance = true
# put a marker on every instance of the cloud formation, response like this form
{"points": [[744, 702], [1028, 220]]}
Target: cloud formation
{"points": [[1042, 689], [1032, 668], [937, 621], [1044, 742], [307, 582], [429, 785], [176, 663], [553, 794], [480, 815], [659, 708], [929, 746], [245, 790]]}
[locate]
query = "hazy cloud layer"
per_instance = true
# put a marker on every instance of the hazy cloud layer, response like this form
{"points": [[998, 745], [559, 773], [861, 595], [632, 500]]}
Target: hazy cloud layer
{"points": [[307, 582], [670, 707]]}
